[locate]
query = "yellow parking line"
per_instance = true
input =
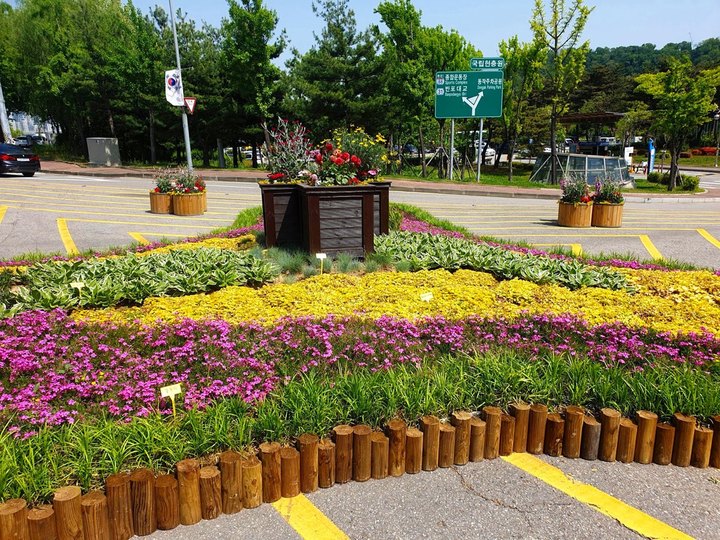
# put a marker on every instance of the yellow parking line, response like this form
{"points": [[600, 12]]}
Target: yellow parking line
{"points": [[66, 238], [139, 238], [652, 250], [309, 522], [576, 248], [3, 209], [626, 515], [706, 235], [142, 223]]}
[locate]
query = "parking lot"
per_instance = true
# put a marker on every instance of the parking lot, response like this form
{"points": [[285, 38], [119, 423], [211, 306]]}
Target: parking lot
{"points": [[53, 213]]}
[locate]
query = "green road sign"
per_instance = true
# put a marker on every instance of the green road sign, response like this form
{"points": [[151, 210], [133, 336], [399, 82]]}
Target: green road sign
{"points": [[489, 62], [468, 94]]}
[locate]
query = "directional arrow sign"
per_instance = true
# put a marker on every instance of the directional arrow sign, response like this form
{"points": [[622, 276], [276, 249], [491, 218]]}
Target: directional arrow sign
{"points": [[190, 104], [468, 94]]}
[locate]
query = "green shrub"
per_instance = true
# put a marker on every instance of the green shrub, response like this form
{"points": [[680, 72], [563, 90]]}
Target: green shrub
{"points": [[689, 182], [653, 177]]}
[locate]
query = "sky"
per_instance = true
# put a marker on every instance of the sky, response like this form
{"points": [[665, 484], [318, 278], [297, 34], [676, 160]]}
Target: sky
{"points": [[484, 23]]}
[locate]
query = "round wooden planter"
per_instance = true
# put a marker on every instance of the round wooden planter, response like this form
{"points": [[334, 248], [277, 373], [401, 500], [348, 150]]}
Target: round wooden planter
{"points": [[160, 203], [188, 204], [607, 215], [574, 215]]}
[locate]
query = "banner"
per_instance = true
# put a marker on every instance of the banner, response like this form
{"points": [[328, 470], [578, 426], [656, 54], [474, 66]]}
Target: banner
{"points": [[173, 88]]}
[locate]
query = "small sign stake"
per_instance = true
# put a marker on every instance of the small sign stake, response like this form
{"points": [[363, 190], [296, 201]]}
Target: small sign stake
{"points": [[171, 391], [321, 257], [426, 297]]}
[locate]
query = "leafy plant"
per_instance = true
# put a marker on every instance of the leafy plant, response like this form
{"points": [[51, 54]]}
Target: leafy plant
{"points": [[288, 151], [575, 190], [608, 191]]}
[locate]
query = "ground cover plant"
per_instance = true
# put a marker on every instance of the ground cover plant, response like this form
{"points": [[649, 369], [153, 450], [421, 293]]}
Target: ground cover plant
{"points": [[435, 322]]}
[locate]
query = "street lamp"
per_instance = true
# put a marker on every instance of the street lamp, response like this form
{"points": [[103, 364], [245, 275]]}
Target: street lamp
{"points": [[717, 141]]}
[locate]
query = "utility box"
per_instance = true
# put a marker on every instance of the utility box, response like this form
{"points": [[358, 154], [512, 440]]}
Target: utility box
{"points": [[103, 152]]}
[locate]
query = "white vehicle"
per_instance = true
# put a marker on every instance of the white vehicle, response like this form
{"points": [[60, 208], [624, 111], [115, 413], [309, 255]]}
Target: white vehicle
{"points": [[489, 151]]}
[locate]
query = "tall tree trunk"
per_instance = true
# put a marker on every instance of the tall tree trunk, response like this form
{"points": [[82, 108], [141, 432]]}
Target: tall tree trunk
{"points": [[153, 151], [421, 151], [511, 152], [553, 148], [111, 121], [235, 155], [674, 169]]}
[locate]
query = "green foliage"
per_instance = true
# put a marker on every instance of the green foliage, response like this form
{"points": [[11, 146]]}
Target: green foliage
{"points": [[131, 279], [574, 189], [288, 152], [426, 252], [608, 190], [689, 182], [87, 452]]}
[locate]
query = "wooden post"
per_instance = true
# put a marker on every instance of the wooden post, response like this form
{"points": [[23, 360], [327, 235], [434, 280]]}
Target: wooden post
{"points": [[507, 434], [343, 453], [492, 431], [231, 481], [430, 426], [362, 453], [627, 435], [682, 446], [664, 438], [645, 443], [251, 482], [477, 439], [117, 491], [396, 431], [380, 446], [702, 444], [413, 450], [41, 522], [536, 428], [167, 502], [554, 428], [572, 436], [326, 463], [96, 522], [188, 475], [610, 422], [461, 421], [142, 496], [210, 492], [715, 450], [521, 412], [590, 443], [13, 520], [68, 516], [270, 457], [290, 468], [446, 451], [308, 447]]}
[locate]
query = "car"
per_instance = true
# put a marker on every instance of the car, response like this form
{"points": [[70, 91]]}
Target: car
{"points": [[16, 159], [490, 152], [410, 149]]}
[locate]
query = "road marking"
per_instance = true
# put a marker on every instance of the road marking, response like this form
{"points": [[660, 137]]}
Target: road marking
{"points": [[143, 223], [706, 235], [623, 513], [3, 209], [576, 249], [105, 213], [652, 250], [309, 522], [139, 238], [66, 238]]}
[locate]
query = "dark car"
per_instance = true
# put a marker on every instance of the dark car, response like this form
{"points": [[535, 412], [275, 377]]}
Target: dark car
{"points": [[16, 159]]}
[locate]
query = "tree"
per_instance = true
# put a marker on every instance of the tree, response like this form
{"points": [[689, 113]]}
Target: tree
{"points": [[559, 30], [522, 76], [337, 82], [248, 50], [683, 100]]}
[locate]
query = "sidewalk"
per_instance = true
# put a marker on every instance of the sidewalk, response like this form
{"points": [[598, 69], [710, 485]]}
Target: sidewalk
{"points": [[231, 175]]}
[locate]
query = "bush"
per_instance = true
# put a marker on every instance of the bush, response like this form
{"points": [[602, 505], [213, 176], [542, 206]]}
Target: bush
{"points": [[689, 182], [653, 177], [686, 154]]}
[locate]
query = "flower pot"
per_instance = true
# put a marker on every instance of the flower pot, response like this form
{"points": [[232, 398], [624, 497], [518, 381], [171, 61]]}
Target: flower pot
{"points": [[282, 215], [575, 215], [344, 219], [187, 204], [607, 215], [160, 203]]}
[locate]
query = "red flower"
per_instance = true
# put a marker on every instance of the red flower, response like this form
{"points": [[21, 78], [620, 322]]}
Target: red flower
{"points": [[355, 160], [318, 159], [328, 147], [585, 199], [354, 180], [345, 156], [276, 176], [157, 190]]}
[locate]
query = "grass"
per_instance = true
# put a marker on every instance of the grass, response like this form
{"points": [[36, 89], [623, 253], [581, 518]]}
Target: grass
{"points": [[87, 452]]}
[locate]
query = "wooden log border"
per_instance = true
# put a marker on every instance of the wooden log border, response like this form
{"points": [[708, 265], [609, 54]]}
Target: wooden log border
{"points": [[130, 500]]}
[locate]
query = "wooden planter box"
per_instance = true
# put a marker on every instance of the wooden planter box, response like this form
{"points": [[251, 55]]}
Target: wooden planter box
{"points": [[282, 216], [574, 215], [160, 203], [607, 215], [328, 219], [188, 204], [344, 219]]}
